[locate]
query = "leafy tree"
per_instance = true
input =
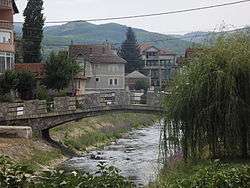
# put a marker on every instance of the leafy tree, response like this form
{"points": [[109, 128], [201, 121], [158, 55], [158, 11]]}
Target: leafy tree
{"points": [[130, 52], [60, 70], [33, 31], [26, 85], [208, 108]]}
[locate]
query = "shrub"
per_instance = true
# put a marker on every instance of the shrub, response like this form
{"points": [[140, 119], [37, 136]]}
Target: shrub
{"points": [[42, 93], [217, 175], [26, 85], [8, 82], [14, 175], [21, 176]]}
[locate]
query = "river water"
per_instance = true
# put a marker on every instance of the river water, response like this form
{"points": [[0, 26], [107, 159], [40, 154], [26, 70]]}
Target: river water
{"points": [[136, 155]]}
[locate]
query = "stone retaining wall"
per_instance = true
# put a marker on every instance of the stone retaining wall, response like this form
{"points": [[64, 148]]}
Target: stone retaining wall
{"points": [[155, 99], [64, 104]]}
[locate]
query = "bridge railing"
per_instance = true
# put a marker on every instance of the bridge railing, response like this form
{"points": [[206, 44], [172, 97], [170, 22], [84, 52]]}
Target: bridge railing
{"points": [[64, 105]]}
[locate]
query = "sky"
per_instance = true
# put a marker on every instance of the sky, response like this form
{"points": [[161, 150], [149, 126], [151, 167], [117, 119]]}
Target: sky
{"points": [[235, 16]]}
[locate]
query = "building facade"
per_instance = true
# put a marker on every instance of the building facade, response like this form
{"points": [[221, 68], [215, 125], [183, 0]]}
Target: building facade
{"points": [[101, 65], [159, 64], [7, 47]]}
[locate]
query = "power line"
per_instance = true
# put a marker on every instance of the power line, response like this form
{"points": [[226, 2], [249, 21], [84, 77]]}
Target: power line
{"points": [[150, 15]]}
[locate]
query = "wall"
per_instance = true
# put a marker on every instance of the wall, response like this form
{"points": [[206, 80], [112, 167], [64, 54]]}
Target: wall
{"points": [[155, 99], [89, 101], [68, 105], [26, 108], [102, 73]]}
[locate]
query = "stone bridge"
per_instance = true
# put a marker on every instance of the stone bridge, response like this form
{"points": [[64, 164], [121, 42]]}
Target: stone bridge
{"points": [[42, 116]]}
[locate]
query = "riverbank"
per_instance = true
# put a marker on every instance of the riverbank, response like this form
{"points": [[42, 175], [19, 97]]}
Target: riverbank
{"points": [[80, 136], [205, 174]]}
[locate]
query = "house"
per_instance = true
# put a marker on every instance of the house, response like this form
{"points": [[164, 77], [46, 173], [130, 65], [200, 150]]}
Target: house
{"points": [[7, 48], [160, 64], [133, 78], [102, 67]]}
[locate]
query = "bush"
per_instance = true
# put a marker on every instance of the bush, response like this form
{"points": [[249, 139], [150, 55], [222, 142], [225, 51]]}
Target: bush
{"points": [[26, 85], [206, 175], [21, 176], [8, 82], [14, 175], [218, 175], [42, 93]]}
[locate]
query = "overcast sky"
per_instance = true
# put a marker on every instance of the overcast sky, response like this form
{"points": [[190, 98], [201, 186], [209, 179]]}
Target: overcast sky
{"points": [[231, 16]]}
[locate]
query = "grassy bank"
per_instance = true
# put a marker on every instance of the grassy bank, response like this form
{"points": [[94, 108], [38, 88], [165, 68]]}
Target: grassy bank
{"points": [[35, 152], [98, 131], [205, 175]]}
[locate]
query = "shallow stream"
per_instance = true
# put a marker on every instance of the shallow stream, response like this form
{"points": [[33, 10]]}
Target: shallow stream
{"points": [[136, 155]]}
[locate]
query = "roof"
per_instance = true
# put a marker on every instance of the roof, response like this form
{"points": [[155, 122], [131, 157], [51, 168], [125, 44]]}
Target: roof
{"points": [[15, 7], [166, 52], [38, 69], [145, 46], [100, 53], [136, 74]]}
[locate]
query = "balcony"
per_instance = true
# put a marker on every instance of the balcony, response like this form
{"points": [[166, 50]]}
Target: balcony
{"points": [[6, 25], [5, 4]]}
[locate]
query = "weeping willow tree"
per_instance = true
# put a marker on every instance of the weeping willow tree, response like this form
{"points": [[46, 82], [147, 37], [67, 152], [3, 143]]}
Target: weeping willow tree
{"points": [[208, 110]]}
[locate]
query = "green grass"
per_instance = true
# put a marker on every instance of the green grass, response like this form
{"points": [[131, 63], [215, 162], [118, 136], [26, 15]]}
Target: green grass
{"points": [[40, 158], [205, 175], [99, 131]]}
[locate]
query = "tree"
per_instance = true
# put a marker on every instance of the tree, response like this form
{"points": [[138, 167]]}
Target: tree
{"points": [[60, 70], [33, 31], [207, 110], [130, 52], [26, 85]]}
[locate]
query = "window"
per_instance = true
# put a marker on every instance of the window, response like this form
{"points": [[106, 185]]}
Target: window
{"points": [[97, 79], [79, 84], [6, 61], [5, 37], [116, 82], [111, 82]]}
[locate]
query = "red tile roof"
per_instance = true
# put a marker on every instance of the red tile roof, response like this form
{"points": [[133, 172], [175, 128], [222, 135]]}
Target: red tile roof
{"points": [[38, 69]]}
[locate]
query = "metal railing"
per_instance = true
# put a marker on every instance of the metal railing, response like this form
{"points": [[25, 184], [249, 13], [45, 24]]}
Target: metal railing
{"points": [[6, 25], [5, 3]]}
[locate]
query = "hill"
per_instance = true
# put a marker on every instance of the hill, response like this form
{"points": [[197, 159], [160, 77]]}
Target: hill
{"points": [[60, 36]]}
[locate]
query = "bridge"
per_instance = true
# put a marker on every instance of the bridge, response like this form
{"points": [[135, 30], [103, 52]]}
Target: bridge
{"points": [[42, 116]]}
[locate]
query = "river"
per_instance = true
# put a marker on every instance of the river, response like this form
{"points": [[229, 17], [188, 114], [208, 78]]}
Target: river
{"points": [[135, 154]]}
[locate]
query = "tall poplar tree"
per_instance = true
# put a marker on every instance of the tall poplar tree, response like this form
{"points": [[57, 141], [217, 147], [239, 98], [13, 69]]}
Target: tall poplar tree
{"points": [[33, 31], [130, 52]]}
